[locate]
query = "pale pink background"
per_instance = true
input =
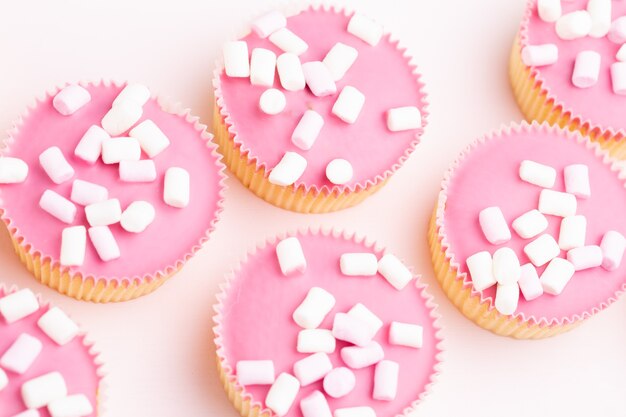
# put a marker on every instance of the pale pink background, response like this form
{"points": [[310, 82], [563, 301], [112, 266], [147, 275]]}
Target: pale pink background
{"points": [[158, 348]]}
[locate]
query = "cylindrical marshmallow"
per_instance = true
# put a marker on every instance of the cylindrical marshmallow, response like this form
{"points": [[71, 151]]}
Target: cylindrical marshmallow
{"points": [[262, 67], [315, 405], [290, 72], [549, 10], [506, 266], [290, 256], [349, 104], [121, 117], [104, 213], [314, 308], [357, 357], [530, 224], [86, 193], [621, 53], [151, 138], [77, 405], [529, 283], [542, 250], [255, 372], [406, 334], [404, 118], [71, 99], [21, 354], [394, 271], [288, 41], [339, 60], [236, 61], [494, 226], [557, 203], [312, 368], [480, 267], [386, 380], [115, 150], [618, 77], [574, 25], [585, 257], [617, 32], [351, 329], [540, 55], [600, 11], [371, 320], [318, 78], [28, 413], [537, 174], [339, 382], [612, 245], [55, 165], [358, 264], [272, 101], [176, 187], [137, 171], [577, 180], [104, 242], [41, 391], [73, 244], [137, 216], [586, 69], [282, 394], [339, 171], [288, 170], [572, 233], [58, 206], [307, 130], [316, 340], [137, 93], [12, 170], [507, 297], [365, 29], [58, 326], [18, 305], [556, 276], [269, 23], [90, 145]]}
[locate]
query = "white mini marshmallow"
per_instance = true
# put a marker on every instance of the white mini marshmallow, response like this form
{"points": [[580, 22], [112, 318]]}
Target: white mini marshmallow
{"points": [[494, 226], [4, 381], [307, 130], [272, 101], [12, 170], [314, 308], [600, 11], [151, 138], [137, 216], [18, 305], [339, 60], [104, 213], [357, 357], [557, 203], [386, 380], [290, 72], [618, 77], [28, 413], [312, 368], [506, 266], [549, 10], [586, 69], [115, 150], [577, 180], [262, 67], [621, 53], [349, 104], [556, 276], [55, 165], [339, 382], [269, 23], [572, 233], [90, 145], [360, 312], [358, 264], [394, 271], [529, 283], [612, 245], [121, 117], [339, 171], [365, 29], [406, 334], [282, 394], [288, 41], [542, 250], [352, 330], [58, 206], [21, 354], [77, 405], [315, 405], [316, 340], [176, 187], [530, 224], [540, 55], [318, 78], [58, 326], [41, 391], [73, 245], [585, 257], [480, 267], [255, 372], [236, 61], [137, 93], [537, 174], [404, 118], [71, 99], [355, 412], [288, 170], [507, 297], [574, 25], [86, 193], [290, 256], [617, 32], [104, 242], [138, 171]]}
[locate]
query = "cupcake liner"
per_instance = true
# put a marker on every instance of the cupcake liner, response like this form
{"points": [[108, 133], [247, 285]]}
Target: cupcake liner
{"points": [[49, 272], [458, 286], [254, 174], [237, 394]]}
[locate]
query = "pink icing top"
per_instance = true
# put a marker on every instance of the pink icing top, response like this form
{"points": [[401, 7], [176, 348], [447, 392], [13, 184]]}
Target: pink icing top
{"points": [[597, 104], [174, 234], [72, 360], [368, 145], [257, 321], [488, 176]]}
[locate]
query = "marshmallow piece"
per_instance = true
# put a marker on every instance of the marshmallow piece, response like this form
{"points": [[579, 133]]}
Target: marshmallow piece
{"points": [[176, 188], [269, 23], [28, 413], [404, 118], [537, 174], [137, 171], [4, 379], [494, 225], [71, 99], [530, 224], [339, 60], [557, 203], [556, 276], [55, 165], [406, 334], [394, 271], [58, 206], [257, 372], [316, 340], [600, 12], [480, 267], [529, 283], [315, 405], [272, 101], [262, 67], [355, 412], [362, 313], [506, 267], [90, 145], [236, 63], [312, 368], [290, 256], [349, 104], [617, 32], [319, 79], [314, 308], [307, 130], [137, 216], [542, 250], [621, 53], [549, 10], [21, 354], [618, 77], [58, 326], [71, 406], [104, 242], [612, 245], [358, 264], [151, 139], [507, 297], [18, 305], [73, 244], [572, 233], [137, 93], [115, 150], [540, 55], [288, 41], [12, 170], [339, 171], [586, 69], [86, 193], [386, 380], [41, 391], [357, 357], [577, 180], [290, 72], [104, 213], [348, 328], [339, 382], [585, 257], [121, 117], [288, 170], [574, 25], [365, 29], [282, 394]]}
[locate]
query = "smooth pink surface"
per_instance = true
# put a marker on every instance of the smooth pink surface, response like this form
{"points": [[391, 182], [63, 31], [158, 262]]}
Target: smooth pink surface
{"points": [[488, 176], [173, 233], [72, 360], [257, 321], [381, 73]]}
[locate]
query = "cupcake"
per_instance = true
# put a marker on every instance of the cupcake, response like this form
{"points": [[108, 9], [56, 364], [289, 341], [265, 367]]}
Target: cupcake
{"points": [[47, 368], [300, 330], [567, 68], [304, 115], [107, 192], [527, 234]]}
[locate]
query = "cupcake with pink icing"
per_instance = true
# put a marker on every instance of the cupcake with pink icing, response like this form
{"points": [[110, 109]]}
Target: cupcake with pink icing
{"points": [[107, 191], [300, 330], [304, 115], [527, 238]]}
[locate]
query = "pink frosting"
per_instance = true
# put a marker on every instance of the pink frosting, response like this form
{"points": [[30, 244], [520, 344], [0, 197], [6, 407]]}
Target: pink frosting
{"points": [[173, 234], [257, 321], [488, 176], [381, 73], [597, 104], [72, 360]]}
